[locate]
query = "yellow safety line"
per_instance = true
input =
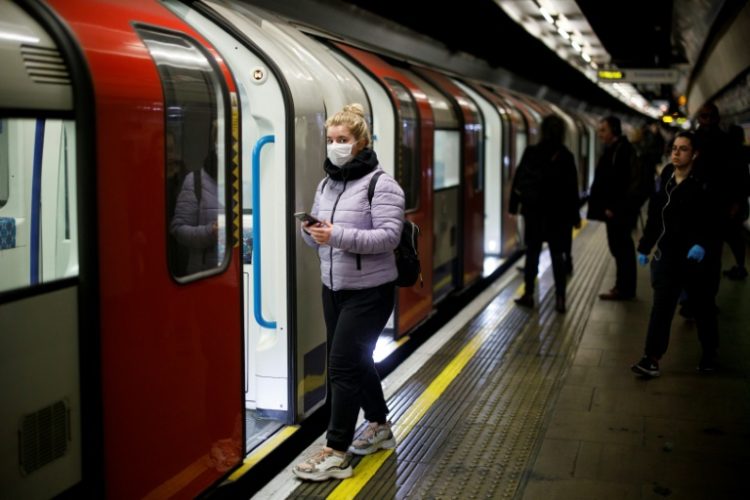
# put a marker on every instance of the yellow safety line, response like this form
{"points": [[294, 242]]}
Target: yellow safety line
{"points": [[370, 464], [173, 485], [263, 450]]}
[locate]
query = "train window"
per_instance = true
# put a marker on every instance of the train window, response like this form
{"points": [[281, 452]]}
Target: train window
{"points": [[447, 159], [479, 178], [407, 158], [195, 152], [4, 169]]}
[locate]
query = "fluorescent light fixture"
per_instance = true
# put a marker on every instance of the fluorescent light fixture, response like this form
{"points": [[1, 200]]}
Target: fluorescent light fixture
{"points": [[563, 33], [546, 15], [575, 46]]}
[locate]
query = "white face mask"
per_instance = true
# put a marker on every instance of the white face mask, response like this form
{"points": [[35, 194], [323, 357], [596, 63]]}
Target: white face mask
{"points": [[339, 154]]}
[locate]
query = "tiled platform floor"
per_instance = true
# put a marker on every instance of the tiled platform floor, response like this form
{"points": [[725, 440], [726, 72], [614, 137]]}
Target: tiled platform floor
{"points": [[685, 435]]}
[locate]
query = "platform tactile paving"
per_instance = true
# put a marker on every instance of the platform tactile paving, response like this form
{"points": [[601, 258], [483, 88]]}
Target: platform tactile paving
{"points": [[477, 439]]}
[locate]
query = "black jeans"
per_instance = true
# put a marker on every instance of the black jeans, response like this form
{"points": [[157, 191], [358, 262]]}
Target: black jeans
{"points": [[354, 321], [669, 276], [537, 231], [622, 248]]}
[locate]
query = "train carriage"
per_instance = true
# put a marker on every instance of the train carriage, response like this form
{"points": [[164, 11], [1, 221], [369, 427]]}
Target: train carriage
{"points": [[160, 313]]}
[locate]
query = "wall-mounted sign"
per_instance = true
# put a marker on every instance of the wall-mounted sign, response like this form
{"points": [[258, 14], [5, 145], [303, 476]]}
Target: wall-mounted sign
{"points": [[634, 75]]}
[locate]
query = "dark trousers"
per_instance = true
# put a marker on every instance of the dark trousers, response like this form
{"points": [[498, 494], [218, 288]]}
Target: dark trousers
{"points": [[669, 276], [354, 320], [538, 231], [736, 241], [622, 248]]}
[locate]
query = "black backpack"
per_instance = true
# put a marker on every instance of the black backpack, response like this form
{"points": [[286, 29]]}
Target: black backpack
{"points": [[407, 254]]}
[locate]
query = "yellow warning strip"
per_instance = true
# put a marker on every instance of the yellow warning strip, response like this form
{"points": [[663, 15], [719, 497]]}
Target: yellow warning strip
{"points": [[370, 464], [263, 450], [176, 483]]}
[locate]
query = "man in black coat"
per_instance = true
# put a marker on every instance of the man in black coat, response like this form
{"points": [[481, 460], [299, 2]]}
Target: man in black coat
{"points": [[615, 200]]}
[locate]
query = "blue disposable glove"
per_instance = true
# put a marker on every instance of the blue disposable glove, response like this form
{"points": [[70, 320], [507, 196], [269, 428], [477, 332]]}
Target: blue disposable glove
{"points": [[642, 259], [696, 253]]}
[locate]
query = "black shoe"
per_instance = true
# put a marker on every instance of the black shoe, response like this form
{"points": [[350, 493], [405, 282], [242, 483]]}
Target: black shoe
{"points": [[736, 273], [646, 367], [560, 304], [707, 364], [525, 301]]}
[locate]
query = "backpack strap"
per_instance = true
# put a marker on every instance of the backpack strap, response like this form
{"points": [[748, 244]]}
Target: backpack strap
{"points": [[371, 187]]}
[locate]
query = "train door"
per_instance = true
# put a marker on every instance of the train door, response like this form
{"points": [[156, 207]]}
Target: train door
{"points": [[272, 259], [448, 227], [513, 228], [471, 250], [413, 153], [492, 156], [169, 275], [48, 332]]}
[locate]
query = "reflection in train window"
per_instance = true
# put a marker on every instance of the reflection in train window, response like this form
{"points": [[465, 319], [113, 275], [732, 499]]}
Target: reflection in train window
{"points": [[38, 202], [407, 157], [447, 159], [194, 142]]}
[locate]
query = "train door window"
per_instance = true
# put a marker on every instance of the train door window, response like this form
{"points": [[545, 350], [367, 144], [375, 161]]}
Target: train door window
{"points": [[195, 151], [447, 159], [4, 170], [477, 132], [407, 159]]}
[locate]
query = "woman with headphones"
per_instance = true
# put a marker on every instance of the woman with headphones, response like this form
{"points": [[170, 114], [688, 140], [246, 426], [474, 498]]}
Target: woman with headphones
{"points": [[678, 227]]}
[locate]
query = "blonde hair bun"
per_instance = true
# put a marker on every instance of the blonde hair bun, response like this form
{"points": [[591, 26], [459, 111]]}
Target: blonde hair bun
{"points": [[352, 116]]}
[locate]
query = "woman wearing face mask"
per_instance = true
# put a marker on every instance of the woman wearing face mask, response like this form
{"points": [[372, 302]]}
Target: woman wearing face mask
{"points": [[355, 241], [679, 226]]}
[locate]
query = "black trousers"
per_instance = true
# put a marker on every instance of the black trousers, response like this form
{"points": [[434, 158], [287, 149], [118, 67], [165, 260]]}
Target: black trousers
{"points": [[733, 235], [354, 320], [538, 230], [622, 248], [669, 276]]}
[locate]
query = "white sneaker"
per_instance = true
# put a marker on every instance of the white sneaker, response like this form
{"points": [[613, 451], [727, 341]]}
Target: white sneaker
{"points": [[375, 437], [324, 465]]}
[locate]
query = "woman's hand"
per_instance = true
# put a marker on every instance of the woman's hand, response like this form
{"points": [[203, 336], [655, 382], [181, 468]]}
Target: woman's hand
{"points": [[321, 233]]}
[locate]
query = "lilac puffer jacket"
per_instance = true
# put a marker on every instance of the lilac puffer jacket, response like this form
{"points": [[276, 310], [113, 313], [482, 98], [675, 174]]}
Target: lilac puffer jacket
{"points": [[359, 254]]}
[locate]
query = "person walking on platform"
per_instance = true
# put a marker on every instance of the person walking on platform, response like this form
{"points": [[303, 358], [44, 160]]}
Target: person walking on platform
{"points": [[358, 270], [680, 227], [615, 200], [546, 189], [739, 210]]}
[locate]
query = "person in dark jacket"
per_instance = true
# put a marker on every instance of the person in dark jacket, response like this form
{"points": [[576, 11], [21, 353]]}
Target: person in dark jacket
{"points": [[358, 269], [615, 200], [739, 210], [546, 189], [679, 226]]}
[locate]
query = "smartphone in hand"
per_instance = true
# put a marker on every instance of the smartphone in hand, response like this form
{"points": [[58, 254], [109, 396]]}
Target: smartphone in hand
{"points": [[306, 218]]}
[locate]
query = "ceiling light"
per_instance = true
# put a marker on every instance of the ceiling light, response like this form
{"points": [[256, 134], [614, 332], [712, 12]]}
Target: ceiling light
{"points": [[546, 15]]}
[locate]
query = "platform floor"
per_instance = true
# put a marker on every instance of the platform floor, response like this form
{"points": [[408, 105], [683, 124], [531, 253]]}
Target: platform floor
{"points": [[509, 403]]}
